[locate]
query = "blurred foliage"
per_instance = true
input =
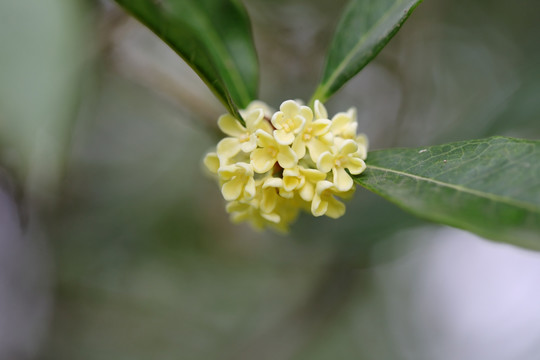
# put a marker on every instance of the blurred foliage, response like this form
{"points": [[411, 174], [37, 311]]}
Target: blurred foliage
{"points": [[147, 262]]}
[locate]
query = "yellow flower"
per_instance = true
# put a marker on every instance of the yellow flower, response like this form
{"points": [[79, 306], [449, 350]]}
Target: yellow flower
{"points": [[324, 202], [310, 149], [311, 178], [238, 181], [241, 138], [344, 124], [315, 135], [211, 161], [270, 152], [346, 156], [289, 121]]}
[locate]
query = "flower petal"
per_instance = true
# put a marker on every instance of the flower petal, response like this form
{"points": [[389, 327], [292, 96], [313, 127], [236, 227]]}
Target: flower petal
{"points": [[249, 189], [325, 162], [253, 118], [262, 160], [230, 125], [335, 208], [313, 175], [250, 145], [318, 207], [289, 108], [320, 127], [299, 147], [348, 147], [273, 182], [274, 218], [320, 110], [264, 139], [342, 180], [306, 113], [269, 200], [283, 137], [228, 147], [355, 165], [298, 123], [286, 157], [307, 191], [232, 189], [278, 119], [316, 147], [211, 161]]}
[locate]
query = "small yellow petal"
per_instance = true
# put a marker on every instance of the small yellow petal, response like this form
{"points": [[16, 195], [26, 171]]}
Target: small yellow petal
{"points": [[249, 189], [211, 161], [318, 207], [278, 119], [262, 160], [269, 200], [274, 218], [342, 180], [228, 147], [356, 165], [230, 126], [250, 145], [273, 182], [253, 118], [283, 137], [307, 191], [299, 147], [348, 147], [320, 127], [325, 162], [306, 114], [286, 157], [264, 139], [298, 124], [320, 110], [290, 107], [232, 189], [316, 148], [340, 121], [335, 208]]}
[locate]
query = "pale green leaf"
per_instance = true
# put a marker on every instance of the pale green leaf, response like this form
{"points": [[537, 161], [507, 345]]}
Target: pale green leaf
{"points": [[213, 37], [490, 187], [365, 28]]}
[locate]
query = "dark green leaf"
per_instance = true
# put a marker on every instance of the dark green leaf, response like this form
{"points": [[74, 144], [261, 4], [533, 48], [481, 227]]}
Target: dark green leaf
{"points": [[490, 187], [365, 28], [213, 37]]}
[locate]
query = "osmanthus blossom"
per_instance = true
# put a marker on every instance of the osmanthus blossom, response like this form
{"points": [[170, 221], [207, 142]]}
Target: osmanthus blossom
{"points": [[281, 163], [269, 152], [241, 138], [339, 158], [315, 135], [324, 201], [238, 181], [289, 121]]}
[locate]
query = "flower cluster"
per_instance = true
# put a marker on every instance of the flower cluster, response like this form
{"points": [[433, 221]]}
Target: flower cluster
{"points": [[281, 162]]}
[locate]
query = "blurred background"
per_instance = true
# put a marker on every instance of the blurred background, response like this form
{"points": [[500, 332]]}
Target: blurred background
{"points": [[115, 245]]}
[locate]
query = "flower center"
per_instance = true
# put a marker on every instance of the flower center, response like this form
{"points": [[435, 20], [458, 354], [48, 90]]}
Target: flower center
{"points": [[272, 151], [244, 137], [307, 133]]}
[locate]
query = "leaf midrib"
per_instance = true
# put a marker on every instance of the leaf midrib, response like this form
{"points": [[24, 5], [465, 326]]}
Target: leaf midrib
{"points": [[479, 193]]}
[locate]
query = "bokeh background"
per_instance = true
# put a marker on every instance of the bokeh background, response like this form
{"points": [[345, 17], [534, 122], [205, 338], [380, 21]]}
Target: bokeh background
{"points": [[115, 245]]}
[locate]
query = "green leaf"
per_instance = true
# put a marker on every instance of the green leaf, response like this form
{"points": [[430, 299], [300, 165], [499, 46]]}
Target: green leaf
{"points": [[490, 186], [364, 29], [213, 37]]}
